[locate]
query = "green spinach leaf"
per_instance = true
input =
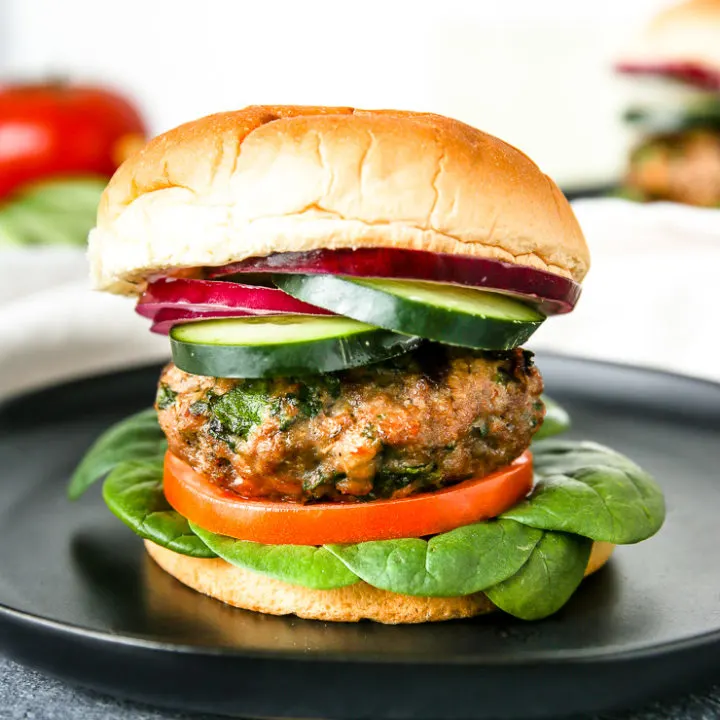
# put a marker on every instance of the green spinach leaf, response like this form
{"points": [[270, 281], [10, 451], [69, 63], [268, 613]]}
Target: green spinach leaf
{"points": [[311, 567], [241, 409], [590, 490], [556, 420], [165, 397], [134, 493], [138, 437], [547, 580], [458, 562]]}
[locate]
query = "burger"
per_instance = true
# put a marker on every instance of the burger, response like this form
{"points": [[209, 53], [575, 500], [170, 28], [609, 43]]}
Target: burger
{"points": [[676, 115], [349, 428]]}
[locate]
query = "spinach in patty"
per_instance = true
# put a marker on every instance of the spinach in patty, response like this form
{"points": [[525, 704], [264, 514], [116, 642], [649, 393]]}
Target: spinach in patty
{"points": [[165, 397], [234, 414], [237, 412]]}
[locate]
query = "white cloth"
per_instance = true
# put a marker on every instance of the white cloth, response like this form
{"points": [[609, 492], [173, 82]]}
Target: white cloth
{"points": [[651, 299], [54, 328]]}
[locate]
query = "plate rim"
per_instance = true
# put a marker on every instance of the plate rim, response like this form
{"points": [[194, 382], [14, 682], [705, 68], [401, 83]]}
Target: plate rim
{"points": [[584, 656]]}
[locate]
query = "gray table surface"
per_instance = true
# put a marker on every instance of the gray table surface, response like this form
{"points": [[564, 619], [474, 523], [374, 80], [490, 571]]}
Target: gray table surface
{"points": [[28, 695]]}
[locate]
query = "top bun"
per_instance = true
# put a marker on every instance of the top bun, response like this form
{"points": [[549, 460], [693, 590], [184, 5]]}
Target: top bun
{"points": [[272, 179], [685, 34]]}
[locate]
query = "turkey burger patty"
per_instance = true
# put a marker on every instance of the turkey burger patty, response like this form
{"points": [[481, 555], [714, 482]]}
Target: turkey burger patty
{"points": [[427, 419]]}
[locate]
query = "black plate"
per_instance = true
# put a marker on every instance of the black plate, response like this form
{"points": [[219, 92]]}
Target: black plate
{"points": [[80, 599]]}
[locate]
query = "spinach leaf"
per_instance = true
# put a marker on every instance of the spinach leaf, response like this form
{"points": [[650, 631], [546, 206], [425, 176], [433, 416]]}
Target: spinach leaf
{"points": [[458, 562], [590, 490], [138, 437], [165, 397], [238, 411], [547, 580], [310, 399], [556, 420], [134, 493], [311, 567], [389, 479]]}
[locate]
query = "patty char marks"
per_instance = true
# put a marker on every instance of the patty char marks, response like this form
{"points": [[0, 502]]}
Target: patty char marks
{"points": [[430, 418]]}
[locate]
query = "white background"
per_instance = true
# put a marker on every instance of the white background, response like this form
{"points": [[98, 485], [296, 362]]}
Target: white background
{"points": [[535, 72]]}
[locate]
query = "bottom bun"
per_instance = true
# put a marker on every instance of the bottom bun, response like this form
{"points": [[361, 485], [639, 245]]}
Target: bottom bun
{"points": [[252, 591]]}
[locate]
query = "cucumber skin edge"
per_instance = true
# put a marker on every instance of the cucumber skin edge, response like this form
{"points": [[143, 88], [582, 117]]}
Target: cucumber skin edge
{"points": [[382, 309], [322, 356]]}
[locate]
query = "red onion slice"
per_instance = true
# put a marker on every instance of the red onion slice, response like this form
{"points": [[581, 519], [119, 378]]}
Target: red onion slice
{"points": [[690, 72], [213, 296], [552, 294], [166, 318]]}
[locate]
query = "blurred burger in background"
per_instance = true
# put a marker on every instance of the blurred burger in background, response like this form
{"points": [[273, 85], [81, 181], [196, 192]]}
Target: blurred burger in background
{"points": [[676, 113], [59, 144]]}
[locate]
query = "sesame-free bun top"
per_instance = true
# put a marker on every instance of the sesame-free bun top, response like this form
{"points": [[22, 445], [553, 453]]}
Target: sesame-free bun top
{"points": [[270, 179], [685, 33]]}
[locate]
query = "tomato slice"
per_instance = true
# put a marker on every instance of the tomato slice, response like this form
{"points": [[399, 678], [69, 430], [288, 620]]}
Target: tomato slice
{"points": [[283, 523]]}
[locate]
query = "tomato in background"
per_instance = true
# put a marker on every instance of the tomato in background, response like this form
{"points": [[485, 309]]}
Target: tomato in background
{"points": [[63, 130]]}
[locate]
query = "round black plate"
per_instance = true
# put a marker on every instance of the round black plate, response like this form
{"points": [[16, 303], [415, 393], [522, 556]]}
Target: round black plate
{"points": [[81, 600]]}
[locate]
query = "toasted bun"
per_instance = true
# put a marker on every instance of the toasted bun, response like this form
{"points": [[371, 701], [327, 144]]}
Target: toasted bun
{"points": [[252, 591], [279, 179], [687, 33]]}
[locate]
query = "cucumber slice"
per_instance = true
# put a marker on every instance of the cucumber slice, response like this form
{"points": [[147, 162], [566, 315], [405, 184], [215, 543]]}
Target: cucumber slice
{"points": [[662, 120], [446, 313], [258, 347]]}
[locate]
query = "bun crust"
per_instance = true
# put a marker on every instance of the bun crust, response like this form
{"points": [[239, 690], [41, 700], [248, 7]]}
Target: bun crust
{"points": [[252, 591], [290, 178], [684, 33]]}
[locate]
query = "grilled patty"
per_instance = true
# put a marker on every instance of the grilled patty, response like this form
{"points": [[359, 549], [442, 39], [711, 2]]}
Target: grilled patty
{"points": [[427, 419], [684, 167]]}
